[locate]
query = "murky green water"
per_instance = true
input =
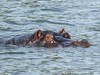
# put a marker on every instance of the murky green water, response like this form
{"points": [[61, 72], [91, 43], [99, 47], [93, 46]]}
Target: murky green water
{"points": [[81, 18]]}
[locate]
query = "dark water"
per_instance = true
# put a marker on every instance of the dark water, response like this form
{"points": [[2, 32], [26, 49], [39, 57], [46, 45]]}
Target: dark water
{"points": [[81, 18]]}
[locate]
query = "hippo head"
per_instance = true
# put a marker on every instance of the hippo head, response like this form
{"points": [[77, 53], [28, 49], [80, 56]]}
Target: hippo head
{"points": [[35, 37], [64, 34], [85, 43], [50, 41], [76, 43]]}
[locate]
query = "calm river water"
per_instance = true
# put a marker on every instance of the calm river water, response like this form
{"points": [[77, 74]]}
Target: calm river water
{"points": [[81, 18]]}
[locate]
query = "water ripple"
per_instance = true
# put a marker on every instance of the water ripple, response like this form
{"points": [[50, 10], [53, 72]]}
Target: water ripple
{"points": [[80, 17], [46, 21], [12, 53], [52, 9]]}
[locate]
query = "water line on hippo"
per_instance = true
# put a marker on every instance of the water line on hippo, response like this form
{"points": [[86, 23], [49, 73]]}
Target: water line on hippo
{"points": [[48, 39]]}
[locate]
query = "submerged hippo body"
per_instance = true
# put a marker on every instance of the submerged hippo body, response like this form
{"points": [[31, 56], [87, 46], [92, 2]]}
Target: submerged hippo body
{"points": [[25, 39], [56, 39], [62, 38], [19, 40], [45, 39]]}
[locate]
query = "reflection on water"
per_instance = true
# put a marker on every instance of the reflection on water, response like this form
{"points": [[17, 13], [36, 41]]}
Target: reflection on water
{"points": [[79, 17]]}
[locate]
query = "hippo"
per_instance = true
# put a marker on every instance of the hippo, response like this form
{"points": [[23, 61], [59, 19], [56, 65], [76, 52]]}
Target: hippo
{"points": [[47, 39], [50, 40], [63, 39], [27, 39], [65, 34], [83, 43], [53, 39]]}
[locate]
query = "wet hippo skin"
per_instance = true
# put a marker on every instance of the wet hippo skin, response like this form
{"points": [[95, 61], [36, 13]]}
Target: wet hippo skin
{"points": [[57, 39], [47, 39], [19, 40], [65, 34], [50, 40], [28, 39]]}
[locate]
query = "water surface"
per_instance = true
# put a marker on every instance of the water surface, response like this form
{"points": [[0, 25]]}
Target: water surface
{"points": [[81, 18]]}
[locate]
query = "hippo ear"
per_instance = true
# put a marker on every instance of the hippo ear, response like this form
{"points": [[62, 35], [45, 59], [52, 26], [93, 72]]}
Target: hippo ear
{"points": [[39, 34], [62, 31], [85, 43], [67, 35]]}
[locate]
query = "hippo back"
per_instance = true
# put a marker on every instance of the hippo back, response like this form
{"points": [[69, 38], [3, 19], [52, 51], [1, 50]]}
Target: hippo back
{"points": [[63, 41], [19, 40]]}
